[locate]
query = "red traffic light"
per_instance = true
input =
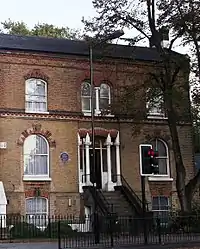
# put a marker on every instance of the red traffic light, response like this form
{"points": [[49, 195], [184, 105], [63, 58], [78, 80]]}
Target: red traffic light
{"points": [[151, 152]]}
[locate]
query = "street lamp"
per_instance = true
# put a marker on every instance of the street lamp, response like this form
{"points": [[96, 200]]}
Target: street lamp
{"points": [[92, 44]]}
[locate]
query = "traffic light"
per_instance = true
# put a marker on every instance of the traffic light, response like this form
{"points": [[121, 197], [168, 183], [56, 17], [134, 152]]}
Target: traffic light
{"points": [[148, 160], [153, 161]]}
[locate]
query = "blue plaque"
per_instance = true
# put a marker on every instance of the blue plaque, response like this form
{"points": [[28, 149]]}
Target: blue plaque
{"points": [[64, 157]]}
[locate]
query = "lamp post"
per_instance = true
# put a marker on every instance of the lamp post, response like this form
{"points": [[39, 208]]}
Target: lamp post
{"points": [[109, 37]]}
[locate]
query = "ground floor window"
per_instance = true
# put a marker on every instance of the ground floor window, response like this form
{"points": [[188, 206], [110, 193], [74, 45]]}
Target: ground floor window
{"points": [[37, 211], [161, 207]]}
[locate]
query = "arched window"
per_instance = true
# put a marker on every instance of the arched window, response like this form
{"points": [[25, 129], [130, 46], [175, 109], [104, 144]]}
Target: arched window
{"points": [[36, 157], [36, 95], [155, 102], [104, 96], [86, 97], [163, 156], [37, 211]]}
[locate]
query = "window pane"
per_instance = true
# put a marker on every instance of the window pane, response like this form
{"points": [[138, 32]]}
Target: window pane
{"points": [[104, 103], [164, 205], [35, 87], [162, 163], [161, 148], [35, 144], [85, 91], [35, 95], [35, 156], [41, 145], [155, 203], [36, 165], [105, 165], [155, 101], [86, 104], [36, 211], [104, 91]]}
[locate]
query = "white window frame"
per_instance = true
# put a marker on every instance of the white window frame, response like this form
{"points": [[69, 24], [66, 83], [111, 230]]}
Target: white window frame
{"points": [[31, 217], [88, 97], [160, 177], [96, 92], [45, 177], [109, 94], [26, 94]]}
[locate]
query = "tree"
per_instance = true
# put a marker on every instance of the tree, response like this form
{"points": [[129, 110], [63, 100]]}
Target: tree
{"points": [[140, 16], [182, 16], [45, 30]]}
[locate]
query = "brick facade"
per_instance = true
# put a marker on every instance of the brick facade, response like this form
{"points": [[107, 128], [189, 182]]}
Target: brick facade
{"points": [[61, 124]]}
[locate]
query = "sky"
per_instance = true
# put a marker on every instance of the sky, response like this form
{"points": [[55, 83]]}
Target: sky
{"points": [[60, 13]]}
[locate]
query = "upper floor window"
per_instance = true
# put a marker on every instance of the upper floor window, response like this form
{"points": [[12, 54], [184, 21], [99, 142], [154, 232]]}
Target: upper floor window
{"points": [[36, 96], [155, 102], [102, 98], [36, 158], [37, 211], [163, 156]]}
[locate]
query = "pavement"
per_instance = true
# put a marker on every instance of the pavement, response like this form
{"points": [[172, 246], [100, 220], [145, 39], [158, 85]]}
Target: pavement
{"points": [[45, 245]]}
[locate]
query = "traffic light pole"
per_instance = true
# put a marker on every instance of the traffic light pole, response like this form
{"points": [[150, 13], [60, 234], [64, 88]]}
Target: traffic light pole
{"points": [[144, 208]]}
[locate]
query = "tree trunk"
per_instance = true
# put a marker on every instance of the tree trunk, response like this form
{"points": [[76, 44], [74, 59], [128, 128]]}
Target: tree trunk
{"points": [[180, 169]]}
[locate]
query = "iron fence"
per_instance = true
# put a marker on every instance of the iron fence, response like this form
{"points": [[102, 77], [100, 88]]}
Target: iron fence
{"points": [[123, 231], [110, 231]]}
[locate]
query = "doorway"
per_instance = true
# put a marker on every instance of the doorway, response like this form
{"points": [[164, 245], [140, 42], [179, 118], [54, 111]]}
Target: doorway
{"points": [[95, 170]]}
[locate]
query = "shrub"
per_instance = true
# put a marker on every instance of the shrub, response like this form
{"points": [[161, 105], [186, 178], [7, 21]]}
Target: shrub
{"points": [[65, 229], [25, 230]]}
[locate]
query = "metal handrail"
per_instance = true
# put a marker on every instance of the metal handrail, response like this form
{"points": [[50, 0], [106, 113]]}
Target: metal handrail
{"points": [[103, 198], [99, 196], [125, 184]]}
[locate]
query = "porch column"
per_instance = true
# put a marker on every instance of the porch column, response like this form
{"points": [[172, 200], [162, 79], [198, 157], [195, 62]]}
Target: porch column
{"points": [[109, 173], [79, 164], [97, 111], [87, 159], [118, 168]]}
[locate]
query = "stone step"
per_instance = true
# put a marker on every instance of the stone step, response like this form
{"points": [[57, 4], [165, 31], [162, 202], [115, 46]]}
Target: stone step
{"points": [[120, 205]]}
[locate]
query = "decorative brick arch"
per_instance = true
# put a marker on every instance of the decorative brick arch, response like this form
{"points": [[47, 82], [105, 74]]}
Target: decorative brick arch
{"points": [[98, 79], [36, 73], [36, 129], [98, 131], [85, 77]]}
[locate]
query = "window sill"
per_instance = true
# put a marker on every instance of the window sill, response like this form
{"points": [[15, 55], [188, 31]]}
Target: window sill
{"points": [[36, 112], [88, 114], [37, 178], [156, 116], [160, 178]]}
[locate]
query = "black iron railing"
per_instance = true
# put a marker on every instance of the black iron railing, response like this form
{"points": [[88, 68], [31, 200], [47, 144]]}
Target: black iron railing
{"points": [[99, 198], [127, 231], [130, 194]]}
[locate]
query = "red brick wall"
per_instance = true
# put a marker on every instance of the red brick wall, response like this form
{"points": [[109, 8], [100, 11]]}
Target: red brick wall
{"points": [[64, 77]]}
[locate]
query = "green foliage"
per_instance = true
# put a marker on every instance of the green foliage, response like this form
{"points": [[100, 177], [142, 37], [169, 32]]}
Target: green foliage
{"points": [[53, 229], [44, 29], [25, 230]]}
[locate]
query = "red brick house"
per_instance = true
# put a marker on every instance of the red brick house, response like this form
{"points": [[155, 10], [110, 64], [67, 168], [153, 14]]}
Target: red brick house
{"points": [[45, 127]]}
